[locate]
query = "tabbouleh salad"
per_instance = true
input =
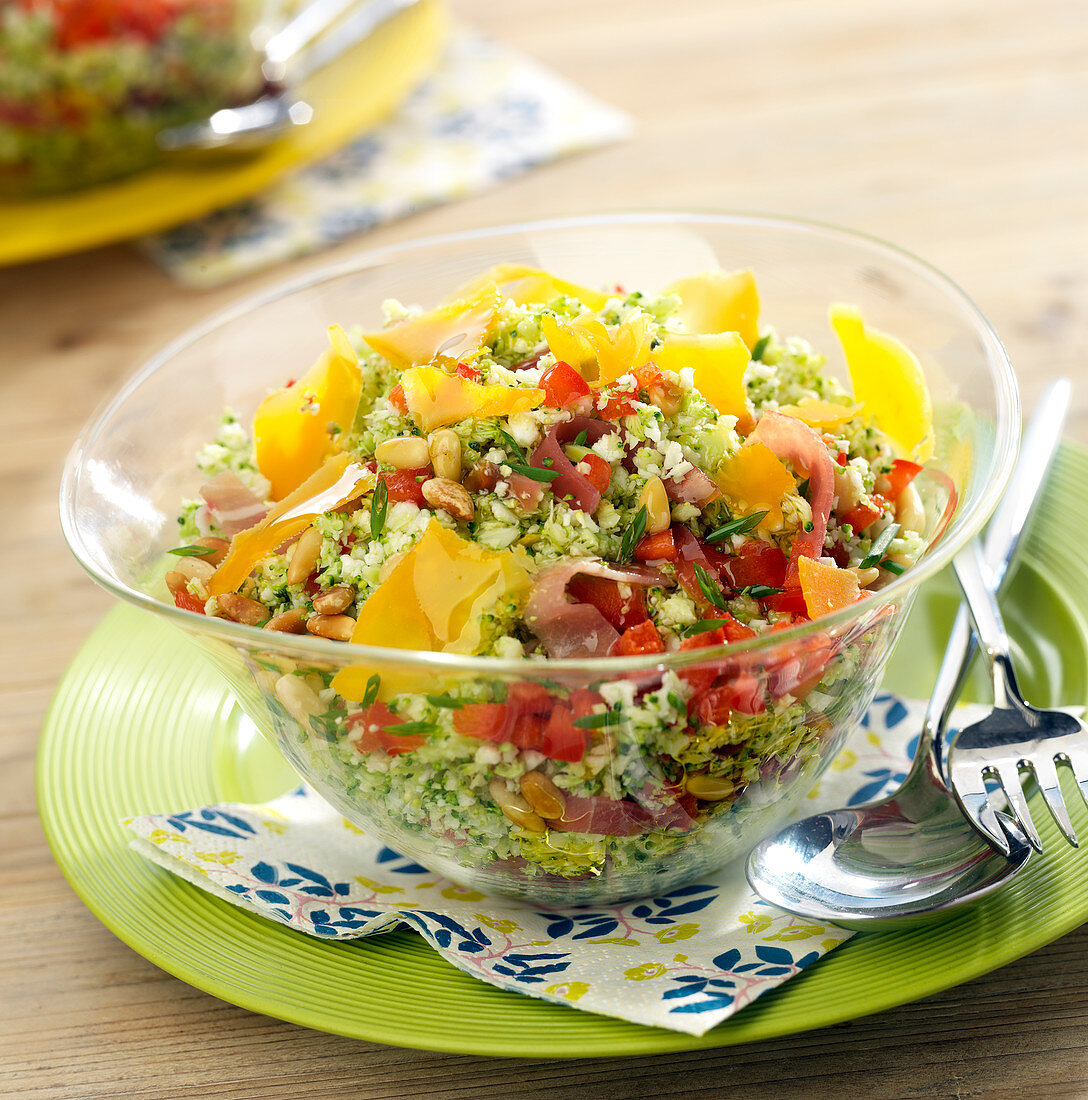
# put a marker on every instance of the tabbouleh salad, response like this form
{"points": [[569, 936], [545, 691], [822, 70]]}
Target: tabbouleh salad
{"points": [[539, 470]]}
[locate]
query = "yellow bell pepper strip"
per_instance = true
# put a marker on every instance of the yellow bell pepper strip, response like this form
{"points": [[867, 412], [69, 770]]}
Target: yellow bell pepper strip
{"points": [[434, 599], [888, 380], [294, 429], [826, 588], [435, 398], [600, 354], [340, 479], [756, 479], [824, 416], [719, 362], [719, 301], [524, 285], [457, 332]]}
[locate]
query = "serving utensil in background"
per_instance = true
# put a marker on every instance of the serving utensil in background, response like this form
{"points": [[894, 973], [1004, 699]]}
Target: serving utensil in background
{"points": [[915, 855], [1014, 736], [294, 53]]}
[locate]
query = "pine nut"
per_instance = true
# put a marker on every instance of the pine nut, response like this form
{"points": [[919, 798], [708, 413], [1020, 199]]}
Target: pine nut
{"points": [[406, 452], [288, 622], [666, 395], [177, 583], [543, 795], [515, 807], [337, 628], [451, 497], [334, 600], [445, 451], [241, 609], [306, 553], [194, 569], [220, 547], [909, 511], [299, 699], [656, 502], [865, 576], [709, 788]]}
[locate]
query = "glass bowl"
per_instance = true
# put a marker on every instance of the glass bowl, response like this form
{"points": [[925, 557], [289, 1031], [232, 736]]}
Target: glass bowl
{"points": [[678, 794]]}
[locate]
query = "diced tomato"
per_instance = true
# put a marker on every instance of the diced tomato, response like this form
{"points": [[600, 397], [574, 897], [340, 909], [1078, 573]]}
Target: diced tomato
{"points": [[184, 599], [790, 602], [562, 385], [605, 595], [900, 476], [618, 405], [734, 630], [378, 726], [520, 720], [398, 400], [659, 547], [639, 639], [529, 697], [842, 458], [465, 370], [584, 702], [599, 473], [757, 563], [864, 515], [562, 739], [407, 485], [745, 693], [700, 678], [712, 707], [483, 721]]}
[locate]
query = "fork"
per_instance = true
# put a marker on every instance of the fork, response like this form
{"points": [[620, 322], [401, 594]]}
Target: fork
{"points": [[1014, 735]]}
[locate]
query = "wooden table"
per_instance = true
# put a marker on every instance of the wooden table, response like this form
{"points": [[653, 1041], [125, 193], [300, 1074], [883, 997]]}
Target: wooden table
{"points": [[957, 128]]}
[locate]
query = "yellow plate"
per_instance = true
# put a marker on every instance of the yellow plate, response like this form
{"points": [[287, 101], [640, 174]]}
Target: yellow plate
{"points": [[349, 97]]}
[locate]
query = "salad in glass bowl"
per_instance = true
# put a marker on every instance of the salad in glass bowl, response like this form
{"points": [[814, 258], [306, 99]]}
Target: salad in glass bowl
{"points": [[567, 589]]}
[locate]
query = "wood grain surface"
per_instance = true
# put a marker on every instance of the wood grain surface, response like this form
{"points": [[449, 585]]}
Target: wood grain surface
{"points": [[956, 128]]}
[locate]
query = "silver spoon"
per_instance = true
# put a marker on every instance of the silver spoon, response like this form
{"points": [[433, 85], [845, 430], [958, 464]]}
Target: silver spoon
{"points": [[914, 855], [254, 125]]}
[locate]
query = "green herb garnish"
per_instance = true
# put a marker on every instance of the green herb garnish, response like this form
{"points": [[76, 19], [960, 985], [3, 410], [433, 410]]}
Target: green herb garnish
{"points": [[633, 534], [597, 721], [406, 728], [700, 627], [192, 551], [710, 588], [761, 591], [760, 348], [531, 471], [879, 546], [581, 437], [739, 526], [893, 566], [446, 701], [511, 442], [378, 506], [371, 692]]}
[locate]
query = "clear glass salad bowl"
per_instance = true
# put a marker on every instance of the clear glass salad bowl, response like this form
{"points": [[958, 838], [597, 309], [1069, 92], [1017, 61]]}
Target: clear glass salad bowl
{"points": [[794, 694]]}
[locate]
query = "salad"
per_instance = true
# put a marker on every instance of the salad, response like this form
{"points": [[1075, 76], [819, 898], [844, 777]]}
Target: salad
{"points": [[86, 84], [537, 470]]}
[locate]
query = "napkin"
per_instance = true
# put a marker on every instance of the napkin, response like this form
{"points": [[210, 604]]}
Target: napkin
{"points": [[486, 113], [684, 960]]}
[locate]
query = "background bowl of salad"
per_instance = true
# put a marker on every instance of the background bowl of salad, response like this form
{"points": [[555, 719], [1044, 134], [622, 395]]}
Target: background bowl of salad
{"points": [[701, 464]]}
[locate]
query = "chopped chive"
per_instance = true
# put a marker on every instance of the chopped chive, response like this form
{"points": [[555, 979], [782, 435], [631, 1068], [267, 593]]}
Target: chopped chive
{"points": [[879, 546], [597, 721], [533, 472], [633, 534], [710, 588], [446, 701], [739, 526], [405, 728], [371, 692], [893, 566], [761, 591], [378, 507], [760, 347], [700, 627], [192, 551]]}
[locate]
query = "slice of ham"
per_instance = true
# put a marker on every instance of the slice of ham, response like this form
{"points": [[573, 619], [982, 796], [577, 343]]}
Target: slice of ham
{"points": [[618, 817], [528, 492], [795, 442], [577, 629], [570, 484], [694, 487], [231, 505]]}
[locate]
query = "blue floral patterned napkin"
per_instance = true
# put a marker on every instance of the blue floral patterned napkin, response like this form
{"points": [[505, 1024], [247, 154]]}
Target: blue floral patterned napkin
{"points": [[685, 960], [486, 113]]}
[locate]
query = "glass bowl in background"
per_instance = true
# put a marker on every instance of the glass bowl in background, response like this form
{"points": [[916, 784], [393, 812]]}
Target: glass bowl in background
{"points": [[768, 715]]}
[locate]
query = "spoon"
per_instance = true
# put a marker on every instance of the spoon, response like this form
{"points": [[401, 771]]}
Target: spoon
{"points": [[254, 125], [914, 855]]}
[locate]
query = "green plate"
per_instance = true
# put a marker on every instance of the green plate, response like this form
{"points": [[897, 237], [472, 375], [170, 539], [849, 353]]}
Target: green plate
{"points": [[140, 723]]}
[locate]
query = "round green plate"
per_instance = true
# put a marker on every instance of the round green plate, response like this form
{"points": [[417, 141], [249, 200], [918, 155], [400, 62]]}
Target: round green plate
{"points": [[140, 723]]}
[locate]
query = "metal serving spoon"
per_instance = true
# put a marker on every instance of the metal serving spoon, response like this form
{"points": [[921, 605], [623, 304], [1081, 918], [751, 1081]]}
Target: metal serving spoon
{"points": [[254, 125], [914, 855]]}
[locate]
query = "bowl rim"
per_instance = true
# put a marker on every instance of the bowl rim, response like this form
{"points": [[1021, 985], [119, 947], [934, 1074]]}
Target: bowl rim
{"points": [[963, 527]]}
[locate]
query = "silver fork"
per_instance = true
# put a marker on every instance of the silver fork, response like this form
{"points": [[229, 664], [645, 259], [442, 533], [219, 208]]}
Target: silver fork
{"points": [[1014, 736]]}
